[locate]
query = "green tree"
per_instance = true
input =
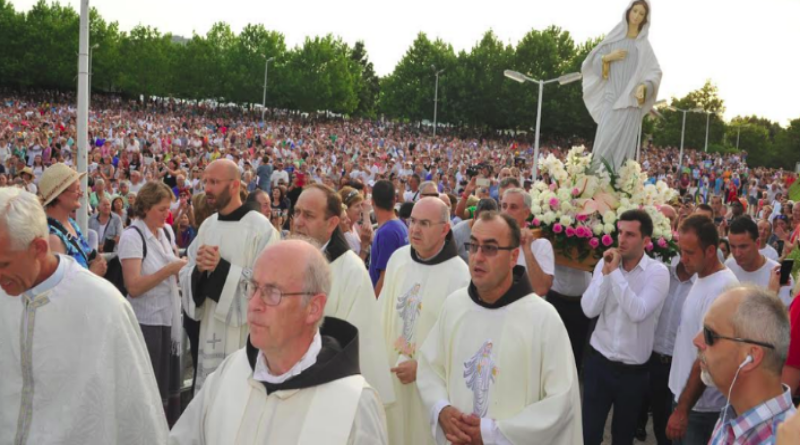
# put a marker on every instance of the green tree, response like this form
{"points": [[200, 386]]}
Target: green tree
{"points": [[368, 86], [408, 93], [668, 130], [145, 56], [321, 75]]}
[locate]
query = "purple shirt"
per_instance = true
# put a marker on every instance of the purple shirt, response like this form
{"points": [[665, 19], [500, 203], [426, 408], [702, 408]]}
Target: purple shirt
{"points": [[389, 237]]}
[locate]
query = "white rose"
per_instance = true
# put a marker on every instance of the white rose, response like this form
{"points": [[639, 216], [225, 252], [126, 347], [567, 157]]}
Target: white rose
{"points": [[608, 229], [566, 220], [609, 217], [566, 207], [549, 217], [597, 229], [668, 235], [536, 209], [657, 233]]}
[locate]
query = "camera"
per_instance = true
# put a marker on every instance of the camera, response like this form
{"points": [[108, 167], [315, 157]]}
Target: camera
{"points": [[473, 170]]}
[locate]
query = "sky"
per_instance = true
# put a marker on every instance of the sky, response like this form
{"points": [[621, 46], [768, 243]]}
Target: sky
{"points": [[748, 48]]}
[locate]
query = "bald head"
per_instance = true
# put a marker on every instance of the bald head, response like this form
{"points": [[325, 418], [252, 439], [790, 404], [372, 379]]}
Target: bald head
{"points": [[433, 209], [280, 261], [227, 168], [669, 211]]}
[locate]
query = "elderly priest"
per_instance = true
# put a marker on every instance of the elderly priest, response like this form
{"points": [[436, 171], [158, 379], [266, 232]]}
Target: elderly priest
{"points": [[74, 367], [297, 380], [497, 366]]}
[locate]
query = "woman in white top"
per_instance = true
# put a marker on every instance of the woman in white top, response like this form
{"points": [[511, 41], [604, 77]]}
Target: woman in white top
{"points": [[150, 272]]}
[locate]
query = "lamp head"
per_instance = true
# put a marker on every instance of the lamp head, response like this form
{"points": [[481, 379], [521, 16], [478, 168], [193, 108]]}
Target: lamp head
{"points": [[514, 75]]}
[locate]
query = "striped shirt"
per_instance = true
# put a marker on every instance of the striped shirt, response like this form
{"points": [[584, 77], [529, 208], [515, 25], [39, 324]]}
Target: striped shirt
{"points": [[757, 426]]}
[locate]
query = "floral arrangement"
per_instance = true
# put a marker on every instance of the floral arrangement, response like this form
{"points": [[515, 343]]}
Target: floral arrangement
{"points": [[578, 211]]}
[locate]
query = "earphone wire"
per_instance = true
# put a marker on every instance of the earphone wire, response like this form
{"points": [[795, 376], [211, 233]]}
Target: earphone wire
{"points": [[730, 390]]}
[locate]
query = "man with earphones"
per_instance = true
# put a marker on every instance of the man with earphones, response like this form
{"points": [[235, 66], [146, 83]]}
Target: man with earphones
{"points": [[741, 350]]}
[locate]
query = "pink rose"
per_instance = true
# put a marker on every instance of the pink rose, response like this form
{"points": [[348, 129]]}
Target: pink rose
{"points": [[649, 247], [570, 232], [594, 243], [558, 228], [607, 240], [662, 243], [576, 192], [536, 222], [553, 203], [581, 231], [553, 187], [582, 217]]}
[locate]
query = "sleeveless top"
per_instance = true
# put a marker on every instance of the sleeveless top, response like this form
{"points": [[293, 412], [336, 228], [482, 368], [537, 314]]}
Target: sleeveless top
{"points": [[76, 247]]}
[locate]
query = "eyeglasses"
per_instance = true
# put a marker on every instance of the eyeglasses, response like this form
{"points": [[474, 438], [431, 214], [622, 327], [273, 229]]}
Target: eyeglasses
{"points": [[710, 337], [270, 295], [424, 223], [489, 250]]}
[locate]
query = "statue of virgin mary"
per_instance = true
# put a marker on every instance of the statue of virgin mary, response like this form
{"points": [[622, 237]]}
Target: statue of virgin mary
{"points": [[621, 77]]}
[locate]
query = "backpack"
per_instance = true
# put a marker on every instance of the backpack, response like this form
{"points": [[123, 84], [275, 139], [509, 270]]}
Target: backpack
{"points": [[114, 267]]}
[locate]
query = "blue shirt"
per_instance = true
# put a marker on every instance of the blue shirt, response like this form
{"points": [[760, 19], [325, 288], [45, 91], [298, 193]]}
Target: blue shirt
{"points": [[389, 237]]}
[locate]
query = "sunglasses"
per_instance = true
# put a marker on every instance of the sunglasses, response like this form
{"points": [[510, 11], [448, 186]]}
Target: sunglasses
{"points": [[710, 337]]}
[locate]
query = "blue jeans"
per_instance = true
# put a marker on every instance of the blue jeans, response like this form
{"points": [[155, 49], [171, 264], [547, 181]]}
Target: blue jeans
{"points": [[700, 429], [606, 385]]}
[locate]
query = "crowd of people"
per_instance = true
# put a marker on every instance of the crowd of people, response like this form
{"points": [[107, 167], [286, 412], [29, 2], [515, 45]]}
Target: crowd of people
{"points": [[342, 229]]}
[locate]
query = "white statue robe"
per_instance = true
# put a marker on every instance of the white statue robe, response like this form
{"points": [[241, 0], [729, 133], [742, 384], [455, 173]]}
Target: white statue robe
{"points": [[218, 300], [234, 408], [75, 368], [509, 364], [352, 299], [612, 102], [412, 295]]}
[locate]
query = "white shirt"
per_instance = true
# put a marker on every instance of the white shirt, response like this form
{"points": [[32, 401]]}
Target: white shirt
{"points": [[760, 277], [670, 319], [262, 374], [628, 304], [154, 307], [570, 282], [277, 175], [543, 252], [770, 253], [701, 295], [411, 196]]}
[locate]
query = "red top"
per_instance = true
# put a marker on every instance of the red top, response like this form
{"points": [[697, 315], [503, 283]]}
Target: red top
{"points": [[793, 359]]}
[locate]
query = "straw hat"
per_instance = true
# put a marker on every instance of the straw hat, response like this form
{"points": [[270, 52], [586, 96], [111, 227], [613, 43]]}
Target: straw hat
{"points": [[55, 180], [26, 171]]}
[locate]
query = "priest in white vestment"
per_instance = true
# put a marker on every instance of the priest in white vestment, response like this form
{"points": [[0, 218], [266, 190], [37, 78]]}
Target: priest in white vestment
{"points": [[418, 279], [351, 298], [294, 382], [75, 369], [221, 258], [497, 367]]}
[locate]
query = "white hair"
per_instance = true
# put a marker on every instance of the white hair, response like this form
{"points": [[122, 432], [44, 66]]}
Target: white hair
{"points": [[22, 217], [762, 316], [526, 197]]}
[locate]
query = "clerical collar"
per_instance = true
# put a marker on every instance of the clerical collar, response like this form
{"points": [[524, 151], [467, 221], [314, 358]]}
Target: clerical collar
{"points": [[520, 287], [447, 252], [337, 359], [262, 373], [235, 215], [50, 282], [336, 246]]}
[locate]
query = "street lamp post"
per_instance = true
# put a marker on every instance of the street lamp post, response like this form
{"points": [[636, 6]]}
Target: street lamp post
{"points": [[521, 78], [436, 97], [640, 142], [683, 132], [264, 98], [708, 121]]}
